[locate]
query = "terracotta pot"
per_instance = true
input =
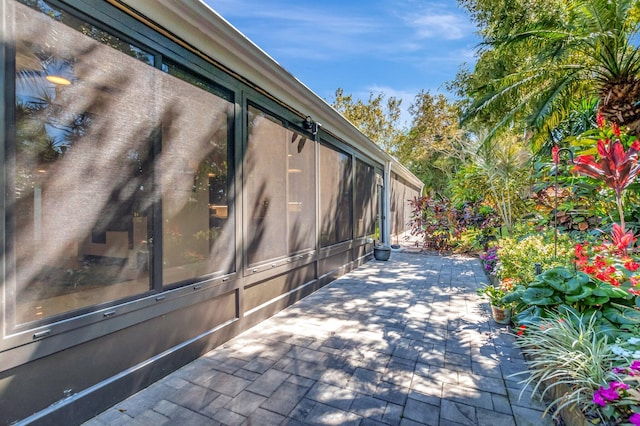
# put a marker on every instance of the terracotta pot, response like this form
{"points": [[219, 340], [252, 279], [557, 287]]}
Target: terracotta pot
{"points": [[501, 315]]}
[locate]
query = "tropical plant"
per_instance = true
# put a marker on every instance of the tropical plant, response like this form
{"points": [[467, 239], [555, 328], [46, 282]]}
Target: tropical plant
{"points": [[497, 175], [566, 349], [585, 49], [616, 163], [561, 289], [432, 220], [620, 399]]}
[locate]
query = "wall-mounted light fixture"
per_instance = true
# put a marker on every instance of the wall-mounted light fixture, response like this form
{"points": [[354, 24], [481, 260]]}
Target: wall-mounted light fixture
{"points": [[312, 126]]}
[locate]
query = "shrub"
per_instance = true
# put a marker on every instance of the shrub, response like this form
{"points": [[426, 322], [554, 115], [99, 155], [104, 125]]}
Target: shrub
{"points": [[518, 256], [566, 349]]}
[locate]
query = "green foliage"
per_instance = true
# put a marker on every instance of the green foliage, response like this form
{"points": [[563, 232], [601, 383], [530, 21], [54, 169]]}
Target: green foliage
{"points": [[432, 148], [495, 294], [566, 349], [565, 290], [497, 175], [377, 120], [532, 70], [445, 227], [520, 252]]}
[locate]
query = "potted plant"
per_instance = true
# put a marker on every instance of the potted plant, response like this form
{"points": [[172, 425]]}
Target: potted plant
{"points": [[501, 311]]}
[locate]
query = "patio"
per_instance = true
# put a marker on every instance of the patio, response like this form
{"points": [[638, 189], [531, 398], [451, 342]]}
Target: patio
{"points": [[403, 342]]}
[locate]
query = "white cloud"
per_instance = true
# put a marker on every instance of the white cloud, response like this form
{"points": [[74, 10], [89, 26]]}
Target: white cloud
{"points": [[441, 26]]}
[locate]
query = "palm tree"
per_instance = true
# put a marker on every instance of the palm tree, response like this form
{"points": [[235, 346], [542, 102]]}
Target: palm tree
{"points": [[586, 51]]}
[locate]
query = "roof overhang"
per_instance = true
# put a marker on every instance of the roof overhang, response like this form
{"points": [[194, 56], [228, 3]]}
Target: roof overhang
{"points": [[196, 24]]}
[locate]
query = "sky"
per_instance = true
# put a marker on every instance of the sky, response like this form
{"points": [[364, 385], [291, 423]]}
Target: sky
{"points": [[395, 47]]}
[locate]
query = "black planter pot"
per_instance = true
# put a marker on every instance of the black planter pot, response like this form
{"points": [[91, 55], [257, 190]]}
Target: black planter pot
{"points": [[382, 252]]}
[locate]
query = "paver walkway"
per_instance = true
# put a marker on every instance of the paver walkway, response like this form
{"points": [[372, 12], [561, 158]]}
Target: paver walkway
{"points": [[402, 342]]}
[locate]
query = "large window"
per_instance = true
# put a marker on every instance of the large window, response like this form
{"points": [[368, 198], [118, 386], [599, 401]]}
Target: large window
{"points": [[336, 202], [280, 189], [366, 199], [197, 228], [80, 166], [103, 137]]}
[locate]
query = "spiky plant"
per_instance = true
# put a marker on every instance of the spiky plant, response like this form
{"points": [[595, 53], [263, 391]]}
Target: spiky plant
{"points": [[586, 50]]}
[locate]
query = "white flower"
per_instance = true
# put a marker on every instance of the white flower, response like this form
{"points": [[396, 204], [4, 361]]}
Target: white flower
{"points": [[620, 351]]}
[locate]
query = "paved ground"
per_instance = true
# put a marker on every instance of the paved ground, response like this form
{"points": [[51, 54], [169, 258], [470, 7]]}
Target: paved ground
{"points": [[403, 342]]}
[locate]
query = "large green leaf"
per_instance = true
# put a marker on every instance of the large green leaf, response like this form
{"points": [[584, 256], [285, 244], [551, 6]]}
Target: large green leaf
{"points": [[595, 300], [575, 284], [514, 296], [556, 278], [622, 316], [540, 296], [605, 289], [530, 315], [585, 291]]}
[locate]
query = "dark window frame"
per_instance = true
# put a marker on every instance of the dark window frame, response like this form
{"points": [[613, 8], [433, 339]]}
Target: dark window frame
{"points": [[130, 30]]}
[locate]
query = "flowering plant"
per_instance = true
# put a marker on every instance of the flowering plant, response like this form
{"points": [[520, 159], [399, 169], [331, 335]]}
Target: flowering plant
{"points": [[518, 256], [620, 399], [627, 349], [610, 263], [490, 260], [497, 293]]}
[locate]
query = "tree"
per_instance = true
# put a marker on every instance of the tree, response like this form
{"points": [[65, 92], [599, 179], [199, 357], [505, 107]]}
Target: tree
{"points": [[576, 49], [496, 174], [431, 147], [376, 119]]}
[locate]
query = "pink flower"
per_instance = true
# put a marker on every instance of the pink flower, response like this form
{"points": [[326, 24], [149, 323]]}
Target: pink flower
{"points": [[635, 419], [598, 399], [635, 365], [618, 385]]}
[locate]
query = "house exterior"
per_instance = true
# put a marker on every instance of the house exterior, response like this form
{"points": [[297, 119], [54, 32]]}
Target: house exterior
{"points": [[166, 186]]}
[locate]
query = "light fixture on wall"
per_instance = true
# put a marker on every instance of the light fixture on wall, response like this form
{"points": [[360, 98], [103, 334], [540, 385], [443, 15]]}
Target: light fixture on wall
{"points": [[58, 71], [312, 126], [57, 79]]}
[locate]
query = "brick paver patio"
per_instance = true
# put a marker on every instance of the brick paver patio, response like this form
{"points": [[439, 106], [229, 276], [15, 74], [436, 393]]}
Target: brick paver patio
{"points": [[402, 342]]}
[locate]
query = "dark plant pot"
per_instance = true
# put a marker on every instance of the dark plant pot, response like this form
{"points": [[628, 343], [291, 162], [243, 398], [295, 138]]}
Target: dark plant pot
{"points": [[382, 252]]}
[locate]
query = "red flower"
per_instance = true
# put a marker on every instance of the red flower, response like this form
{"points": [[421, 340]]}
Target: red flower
{"points": [[616, 129], [631, 266], [591, 270], [555, 153], [621, 239], [521, 330], [601, 121]]}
